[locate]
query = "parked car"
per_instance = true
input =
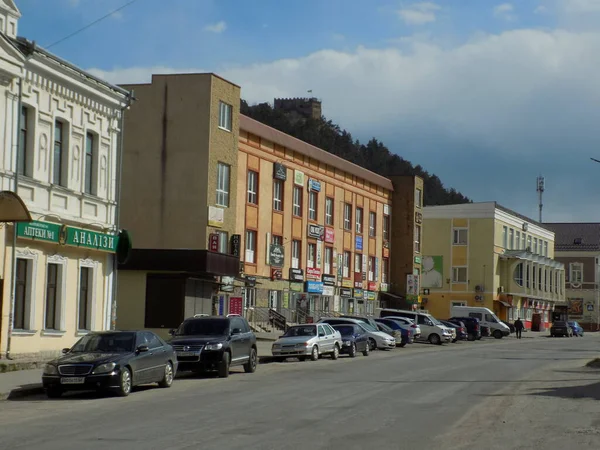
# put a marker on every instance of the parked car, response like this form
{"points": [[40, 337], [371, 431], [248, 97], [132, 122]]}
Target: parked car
{"points": [[354, 340], [377, 339], [309, 340], [405, 321], [432, 329], [486, 317], [472, 324], [577, 329], [461, 331], [215, 343], [561, 328], [396, 334], [408, 333], [111, 360], [366, 319], [457, 330]]}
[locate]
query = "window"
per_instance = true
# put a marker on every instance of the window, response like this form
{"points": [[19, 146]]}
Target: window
{"points": [[518, 275], [418, 198], [529, 243], [460, 236], [297, 209], [545, 248], [223, 171], [277, 240], [249, 297], [347, 216], [22, 294], [57, 160], [296, 254], [385, 267], [505, 237], [346, 265], [277, 195], [53, 313], [251, 247], [576, 273], [223, 241], [372, 223], [328, 259], [225, 111], [312, 205], [311, 257], [459, 274], [523, 237], [386, 228], [252, 187], [511, 239], [329, 211], [357, 263], [22, 153], [535, 245], [359, 220], [418, 238], [85, 299], [89, 187], [371, 269], [517, 240]]}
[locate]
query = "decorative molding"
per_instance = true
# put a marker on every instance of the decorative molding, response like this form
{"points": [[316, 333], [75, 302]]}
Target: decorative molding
{"points": [[26, 253], [88, 262], [57, 259]]}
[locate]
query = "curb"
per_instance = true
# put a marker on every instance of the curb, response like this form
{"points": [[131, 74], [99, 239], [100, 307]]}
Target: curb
{"points": [[6, 367], [23, 391]]}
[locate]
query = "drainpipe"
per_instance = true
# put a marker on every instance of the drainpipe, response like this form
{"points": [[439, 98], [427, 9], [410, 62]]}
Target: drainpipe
{"points": [[113, 306]]}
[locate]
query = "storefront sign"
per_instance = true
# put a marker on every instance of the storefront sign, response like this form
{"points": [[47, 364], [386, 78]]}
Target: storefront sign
{"points": [[276, 273], [213, 242], [329, 235], [328, 290], [39, 231], [314, 287], [358, 280], [370, 295], [276, 255], [236, 305], [345, 292], [319, 253], [383, 287], [296, 275], [298, 177], [227, 284], [235, 244], [221, 305], [215, 216], [250, 281], [77, 237], [411, 285], [279, 172], [358, 293], [316, 231], [358, 243], [296, 287], [372, 286], [313, 272], [347, 283], [328, 280], [314, 185], [417, 260]]}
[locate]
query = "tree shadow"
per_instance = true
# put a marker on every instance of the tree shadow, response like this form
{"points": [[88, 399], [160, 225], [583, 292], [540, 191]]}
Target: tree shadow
{"points": [[591, 391]]}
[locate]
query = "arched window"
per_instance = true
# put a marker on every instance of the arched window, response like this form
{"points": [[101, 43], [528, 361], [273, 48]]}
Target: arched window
{"points": [[518, 275]]}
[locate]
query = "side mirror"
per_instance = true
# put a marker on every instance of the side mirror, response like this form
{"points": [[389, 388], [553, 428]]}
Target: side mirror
{"points": [[142, 348], [236, 331], [66, 350], [172, 332]]}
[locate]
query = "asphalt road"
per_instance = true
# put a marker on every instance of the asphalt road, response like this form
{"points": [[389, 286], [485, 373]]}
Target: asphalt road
{"points": [[419, 397]]}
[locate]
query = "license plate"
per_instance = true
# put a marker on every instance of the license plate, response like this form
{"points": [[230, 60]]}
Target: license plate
{"points": [[185, 354], [72, 380]]}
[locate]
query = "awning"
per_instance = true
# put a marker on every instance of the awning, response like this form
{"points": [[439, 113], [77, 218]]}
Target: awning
{"points": [[532, 257], [12, 208], [503, 303]]}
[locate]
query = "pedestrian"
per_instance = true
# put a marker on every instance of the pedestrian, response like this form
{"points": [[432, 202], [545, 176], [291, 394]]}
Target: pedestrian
{"points": [[519, 327]]}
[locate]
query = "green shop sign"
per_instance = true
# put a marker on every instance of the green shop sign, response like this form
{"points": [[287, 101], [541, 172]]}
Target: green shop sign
{"points": [[91, 239], [39, 231]]}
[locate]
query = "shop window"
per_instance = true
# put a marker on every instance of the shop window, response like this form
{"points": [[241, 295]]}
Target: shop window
{"points": [[85, 304], [23, 298], [159, 314], [54, 296]]}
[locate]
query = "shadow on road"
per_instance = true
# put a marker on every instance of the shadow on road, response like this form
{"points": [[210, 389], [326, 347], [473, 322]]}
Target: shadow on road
{"points": [[572, 392]]}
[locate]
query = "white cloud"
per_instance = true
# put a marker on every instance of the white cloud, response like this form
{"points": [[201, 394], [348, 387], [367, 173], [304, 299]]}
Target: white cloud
{"points": [[419, 13], [218, 27], [505, 11]]}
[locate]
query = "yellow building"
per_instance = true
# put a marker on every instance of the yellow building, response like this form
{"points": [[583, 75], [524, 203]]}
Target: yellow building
{"points": [[482, 254]]}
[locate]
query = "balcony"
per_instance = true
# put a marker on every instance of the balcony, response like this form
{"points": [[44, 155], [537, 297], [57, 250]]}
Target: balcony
{"points": [[533, 276]]}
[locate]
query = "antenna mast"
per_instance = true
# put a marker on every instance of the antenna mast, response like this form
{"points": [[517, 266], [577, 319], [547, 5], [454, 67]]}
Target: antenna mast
{"points": [[541, 183]]}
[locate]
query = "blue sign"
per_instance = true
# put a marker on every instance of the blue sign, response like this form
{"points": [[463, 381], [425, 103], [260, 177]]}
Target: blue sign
{"points": [[358, 243], [314, 287], [314, 185], [221, 305]]}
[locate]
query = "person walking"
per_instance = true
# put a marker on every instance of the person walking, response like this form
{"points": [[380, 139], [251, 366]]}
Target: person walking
{"points": [[519, 327]]}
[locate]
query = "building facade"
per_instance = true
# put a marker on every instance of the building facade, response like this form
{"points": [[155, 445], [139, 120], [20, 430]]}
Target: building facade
{"points": [[577, 246], [482, 254], [59, 154]]}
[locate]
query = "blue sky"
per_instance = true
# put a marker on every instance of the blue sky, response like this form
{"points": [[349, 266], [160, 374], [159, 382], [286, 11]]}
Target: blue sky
{"points": [[486, 94]]}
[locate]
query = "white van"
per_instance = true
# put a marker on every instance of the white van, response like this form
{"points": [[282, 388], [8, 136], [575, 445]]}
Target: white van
{"points": [[486, 318], [431, 329]]}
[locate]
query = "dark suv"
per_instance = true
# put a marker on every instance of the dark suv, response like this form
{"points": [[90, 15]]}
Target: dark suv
{"points": [[215, 343], [472, 324]]}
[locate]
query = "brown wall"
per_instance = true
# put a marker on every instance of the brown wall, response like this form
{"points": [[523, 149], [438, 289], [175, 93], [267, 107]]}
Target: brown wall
{"points": [[589, 264]]}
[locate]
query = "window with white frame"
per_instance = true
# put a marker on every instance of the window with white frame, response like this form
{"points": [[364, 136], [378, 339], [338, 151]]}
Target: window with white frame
{"points": [[328, 261], [250, 297], [371, 268], [546, 248], [511, 239], [459, 274], [505, 237], [529, 243], [329, 211], [523, 237], [296, 254], [252, 187], [347, 216], [23, 154], [311, 255], [535, 246], [576, 273], [54, 296], [24, 279], [59, 156], [223, 241], [518, 275], [225, 116], [250, 246], [89, 162], [460, 236], [386, 228], [418, 198], [86, 285], [297, 206], [357, 263], [277, 195], [385, 267], [223, 172], [346, 265], [372, 223], [418, 238], [359, 220], [517, 240], [312, 205]]}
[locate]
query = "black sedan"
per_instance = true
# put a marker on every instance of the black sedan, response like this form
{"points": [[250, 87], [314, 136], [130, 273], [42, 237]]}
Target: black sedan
{"points": [[112, 361], [354, 340]]}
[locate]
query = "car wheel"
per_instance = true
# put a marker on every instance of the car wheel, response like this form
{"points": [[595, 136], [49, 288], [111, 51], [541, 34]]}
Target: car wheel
{"points": [[352, 352], [372, 344], [336, 352], [314, 354], [435, 339], [367, 349], [54, 392], [125, 383], [402, 344], [224, 365], [250, 366], [168, 376], [471, 337], [301, 358], [498, 334]]}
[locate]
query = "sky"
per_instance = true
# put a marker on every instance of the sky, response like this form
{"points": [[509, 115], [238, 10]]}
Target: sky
{"points": [[488, 95]]}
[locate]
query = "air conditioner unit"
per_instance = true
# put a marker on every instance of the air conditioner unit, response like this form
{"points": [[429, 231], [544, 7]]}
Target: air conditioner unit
{"points": [[479, 288], [500, 289]]}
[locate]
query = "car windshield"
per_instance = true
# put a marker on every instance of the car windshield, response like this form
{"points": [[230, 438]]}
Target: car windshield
{"points": [[435, 321], [392, 324], [203, 327], [301, 331], [345, 330], [368, 326], [105, 343]]}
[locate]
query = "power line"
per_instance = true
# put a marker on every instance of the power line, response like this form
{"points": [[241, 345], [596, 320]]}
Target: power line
{"points": [[91, 24]]}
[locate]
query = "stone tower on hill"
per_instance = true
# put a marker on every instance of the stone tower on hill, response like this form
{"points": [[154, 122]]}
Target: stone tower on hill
{"points": [[306, 108]]}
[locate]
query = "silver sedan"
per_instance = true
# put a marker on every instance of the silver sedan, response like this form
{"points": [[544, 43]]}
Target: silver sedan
{"points": [[311, 340]]}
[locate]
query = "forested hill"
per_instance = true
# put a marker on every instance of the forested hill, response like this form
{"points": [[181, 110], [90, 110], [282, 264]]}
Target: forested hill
{"points": [[374, 155]]}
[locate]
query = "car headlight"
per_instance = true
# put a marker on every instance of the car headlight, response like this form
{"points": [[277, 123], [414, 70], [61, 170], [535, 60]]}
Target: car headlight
{"points": [[276, 345], [49, 369], [217, 346], [105, 368], [347, 342]]}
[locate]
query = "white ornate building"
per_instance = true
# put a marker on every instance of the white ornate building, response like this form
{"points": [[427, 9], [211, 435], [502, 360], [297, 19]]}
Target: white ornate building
{"points": [[59, 144]]}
